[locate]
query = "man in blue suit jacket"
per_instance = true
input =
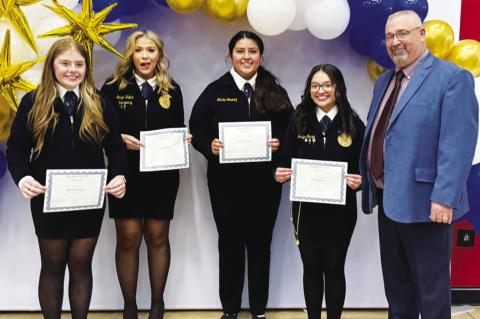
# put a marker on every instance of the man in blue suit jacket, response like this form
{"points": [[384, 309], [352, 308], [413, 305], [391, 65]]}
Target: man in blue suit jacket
{"points": [[414, 163]]}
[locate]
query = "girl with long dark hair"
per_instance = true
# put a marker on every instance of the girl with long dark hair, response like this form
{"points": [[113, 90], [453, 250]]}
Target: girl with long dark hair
{"points": [[324, 127], [244, 196]]}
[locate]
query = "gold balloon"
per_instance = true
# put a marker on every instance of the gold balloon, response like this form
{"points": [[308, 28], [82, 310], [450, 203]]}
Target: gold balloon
{"points": [[4, 111], [10, 74], [185, 6], [374, 69], [6, 119], [241, 7], [10, 10], [5, 128], [466, 54], [87, 27], [439, 37], [226, 9]]}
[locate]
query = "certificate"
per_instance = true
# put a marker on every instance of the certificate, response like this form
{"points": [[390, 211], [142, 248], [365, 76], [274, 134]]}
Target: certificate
{"points": [[318, 181], [245, 142], [164, 149], [74, 189]]}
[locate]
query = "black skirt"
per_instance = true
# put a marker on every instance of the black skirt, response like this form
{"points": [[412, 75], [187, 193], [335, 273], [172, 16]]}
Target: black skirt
{"points": [[65, 225], [148, 195], [324, 225]]}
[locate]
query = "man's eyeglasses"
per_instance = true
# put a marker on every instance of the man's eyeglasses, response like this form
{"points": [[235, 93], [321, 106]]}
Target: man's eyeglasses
{"points": [[400, 35], [326, 87]]}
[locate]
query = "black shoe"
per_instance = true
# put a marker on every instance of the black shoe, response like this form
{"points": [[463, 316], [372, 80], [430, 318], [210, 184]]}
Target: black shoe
{"points": [[229, 316], [157, 310], [259, 316]]}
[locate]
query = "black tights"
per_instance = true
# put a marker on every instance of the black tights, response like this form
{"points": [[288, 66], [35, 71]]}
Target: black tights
{"points": [[319, 264], [56, 254], [129, 238]]}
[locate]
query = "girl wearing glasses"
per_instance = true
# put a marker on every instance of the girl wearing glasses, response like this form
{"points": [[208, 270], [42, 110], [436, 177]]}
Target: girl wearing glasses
{"points": [[146, 98], [244, 196], [324, 127]]}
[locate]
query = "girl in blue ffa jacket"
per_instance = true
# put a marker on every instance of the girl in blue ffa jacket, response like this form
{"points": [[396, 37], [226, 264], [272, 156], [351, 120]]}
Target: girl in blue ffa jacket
{"points": [[324, 127], [65, 124], [244, 196], [146, 98]]}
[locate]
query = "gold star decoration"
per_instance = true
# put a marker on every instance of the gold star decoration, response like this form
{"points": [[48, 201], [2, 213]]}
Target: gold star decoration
{"points": [[10, 9], [87, 27], [10, 79]]}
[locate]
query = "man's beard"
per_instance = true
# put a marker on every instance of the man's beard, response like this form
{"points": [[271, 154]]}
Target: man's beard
{"points": [[400, 59]]}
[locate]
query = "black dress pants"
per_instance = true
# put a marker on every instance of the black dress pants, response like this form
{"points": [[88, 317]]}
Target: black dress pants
{"points": [[245, 219], [415, 264]]}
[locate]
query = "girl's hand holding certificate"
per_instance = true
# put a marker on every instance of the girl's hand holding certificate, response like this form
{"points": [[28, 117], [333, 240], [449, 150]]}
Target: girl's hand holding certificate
{"points": [[31, 188], [354, 181], [283, 174], [131, 143], [274, 144], [117, 186], [216, 145]]}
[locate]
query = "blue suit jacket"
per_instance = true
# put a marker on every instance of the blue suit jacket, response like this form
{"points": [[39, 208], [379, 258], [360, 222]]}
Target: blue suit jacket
{"points": [[429, 143]]}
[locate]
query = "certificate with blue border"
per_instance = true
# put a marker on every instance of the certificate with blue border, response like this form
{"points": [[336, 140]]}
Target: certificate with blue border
{"points": [[245, 141], [318, 181], [164, 149], [74, 189]]}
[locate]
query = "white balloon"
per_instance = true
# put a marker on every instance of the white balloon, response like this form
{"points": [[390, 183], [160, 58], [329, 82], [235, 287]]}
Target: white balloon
{"points": [[35, 13], [476, 158], [327, 19], [32, 75], [68, 3], [271, 17], [299, 22], [48, 23], [20, 51]]}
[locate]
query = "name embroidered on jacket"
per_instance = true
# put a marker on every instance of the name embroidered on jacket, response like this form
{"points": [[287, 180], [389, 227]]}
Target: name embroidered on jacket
{"points": [[227, 99], [124, 100], [307, 138]]}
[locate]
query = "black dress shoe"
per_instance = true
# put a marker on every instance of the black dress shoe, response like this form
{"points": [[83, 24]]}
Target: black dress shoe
{"points": [[157, 310], [229, 316]]}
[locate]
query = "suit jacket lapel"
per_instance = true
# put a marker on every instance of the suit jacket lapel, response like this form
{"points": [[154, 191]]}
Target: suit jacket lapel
{"points": [[378, 99], [417, 79]]}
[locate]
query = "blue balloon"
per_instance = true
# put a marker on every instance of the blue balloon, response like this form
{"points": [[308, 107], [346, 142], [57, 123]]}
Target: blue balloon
{"points": [[117, 12], [360, 40], [473, 189], [3, 164], [379, 51], [419, 6], [162, 3], [371, 15], [134, 6]]}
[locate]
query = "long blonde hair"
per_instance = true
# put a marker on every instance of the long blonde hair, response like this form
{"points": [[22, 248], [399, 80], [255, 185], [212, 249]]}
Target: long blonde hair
{"points": [[43, 116], [124, 69]]}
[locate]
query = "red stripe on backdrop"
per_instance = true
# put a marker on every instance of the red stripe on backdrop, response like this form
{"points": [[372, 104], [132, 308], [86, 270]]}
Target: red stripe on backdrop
{"points": [[469, 25], [466, 257]]}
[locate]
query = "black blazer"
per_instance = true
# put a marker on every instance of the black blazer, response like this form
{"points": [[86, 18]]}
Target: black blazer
{"points": [[222, 101], [135, 117], [310, 145], [323, 225], [63, 147]]}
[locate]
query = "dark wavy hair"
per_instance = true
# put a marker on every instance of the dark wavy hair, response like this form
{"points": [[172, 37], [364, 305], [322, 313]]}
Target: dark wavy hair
{"points": [[269, 94], [307, 108]]}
